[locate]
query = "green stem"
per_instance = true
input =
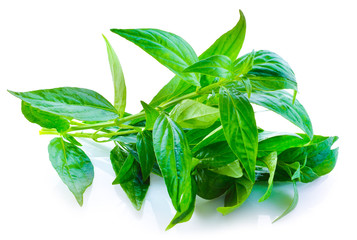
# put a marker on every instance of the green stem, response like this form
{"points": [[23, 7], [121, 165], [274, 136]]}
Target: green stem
{"points": [[87, 135], [92, 126]]}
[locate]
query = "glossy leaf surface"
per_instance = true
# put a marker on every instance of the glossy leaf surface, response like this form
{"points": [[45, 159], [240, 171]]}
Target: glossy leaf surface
{"points": [[44, 119], [215, 66], [150, 114], [135, 189], [281, 103], [173, 156], [239, 126], [146, 152], [79, 103], [72, 165], [193, 114], [167, 48]]}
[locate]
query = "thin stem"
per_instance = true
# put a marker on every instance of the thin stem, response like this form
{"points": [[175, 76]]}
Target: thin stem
{"points": [[88, 135], [95, 125]]}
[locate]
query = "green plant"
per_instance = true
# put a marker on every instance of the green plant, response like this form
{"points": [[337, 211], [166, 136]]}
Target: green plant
{"points": [[199, 132]]}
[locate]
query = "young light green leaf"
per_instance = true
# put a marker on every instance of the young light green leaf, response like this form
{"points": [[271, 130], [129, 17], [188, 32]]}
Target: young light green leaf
{"points": [[215, 66], [236, 195], [173, 156], [167, 48], [248, 86], [270, 72], [232, 169], [193, 114], [270, 161], [292, 204], [280, 102], [175, 88], [79, 103], [230, 43], [239, 126], [44, 119], [118, 79], [135, 189], [146, 152], [151, 115], [72, 165]]}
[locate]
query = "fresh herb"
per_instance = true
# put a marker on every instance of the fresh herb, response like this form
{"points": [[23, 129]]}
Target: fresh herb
{"points": [[199, 133]]}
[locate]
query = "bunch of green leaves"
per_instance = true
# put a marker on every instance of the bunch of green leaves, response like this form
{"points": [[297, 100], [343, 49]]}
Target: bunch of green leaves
{"points": [[199, 133]]}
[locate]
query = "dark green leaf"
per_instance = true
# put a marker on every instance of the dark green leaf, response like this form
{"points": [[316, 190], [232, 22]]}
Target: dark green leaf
{"points": [[150, 114], [217, 135], [135, 189], [230, 43], [236, 195], [215, 66], [173, 156], [118, 79], [44, 119], [193, 114], [211, 185], [127, 171], [239, 126], [72, 165], [281, 103], [167, 48], [194, 136], [79, 103], [146, 152], [215, 155], [187, 205]]}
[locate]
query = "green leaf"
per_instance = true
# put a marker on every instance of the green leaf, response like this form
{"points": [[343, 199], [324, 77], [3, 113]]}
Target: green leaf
{"points": [[280, 102], [146, 152], [71, 139], [127, 171], [151, 115], [292, 204], [211, 185], [215, 66], [270, 72], [239, 126], [72, 165], [167, 48], [79, 103], [217, 135], [270, 161], [194, 136], [173, 156], [44, 119], [215, 155], [232, 169], [175, 88], [236, 195], [193, 114], [230, 43], [244, 64], [187, 205], [118, 79], [135, 189]]}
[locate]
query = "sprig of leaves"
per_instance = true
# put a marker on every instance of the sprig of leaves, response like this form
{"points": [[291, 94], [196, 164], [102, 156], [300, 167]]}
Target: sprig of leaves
{"points": [[199, 132]]}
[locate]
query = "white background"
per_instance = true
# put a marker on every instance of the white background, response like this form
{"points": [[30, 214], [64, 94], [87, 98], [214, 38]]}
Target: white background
{"points": [[44, 44]]}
